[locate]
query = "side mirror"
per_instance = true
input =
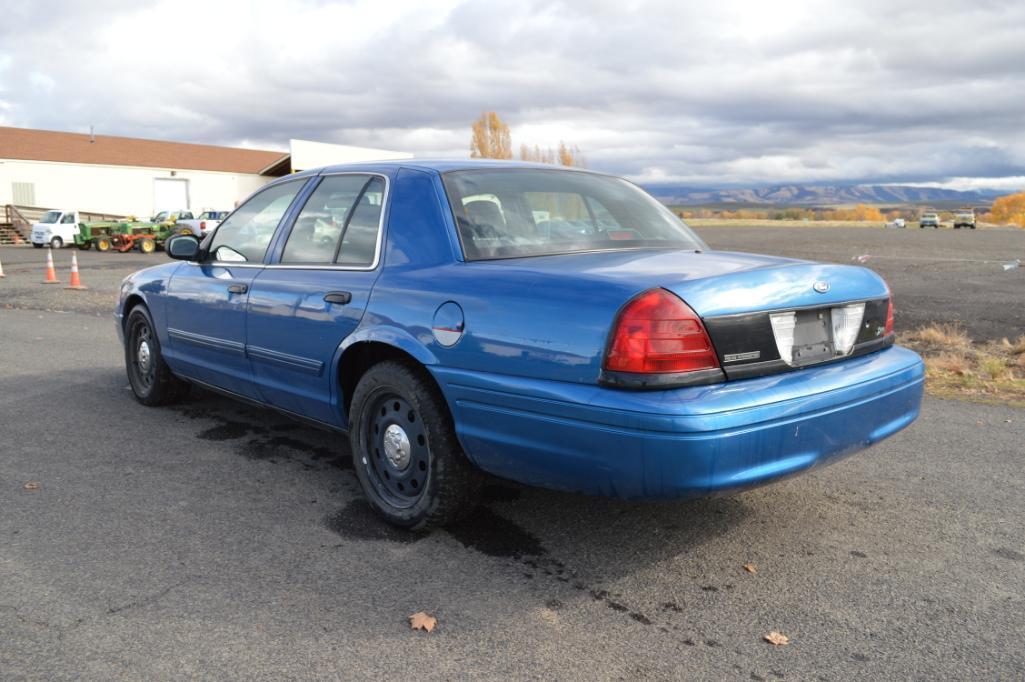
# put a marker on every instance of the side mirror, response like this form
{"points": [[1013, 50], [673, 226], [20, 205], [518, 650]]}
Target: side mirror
{"points": [[182, 247]]}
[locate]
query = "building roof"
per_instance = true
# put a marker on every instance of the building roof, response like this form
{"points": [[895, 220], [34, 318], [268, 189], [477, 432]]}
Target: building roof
{"points": [[47, 145]]}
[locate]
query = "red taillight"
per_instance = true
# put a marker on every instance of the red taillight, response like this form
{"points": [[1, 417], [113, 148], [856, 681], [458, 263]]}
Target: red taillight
{"points": [[202, 226], [657, 333], [889, 316]]}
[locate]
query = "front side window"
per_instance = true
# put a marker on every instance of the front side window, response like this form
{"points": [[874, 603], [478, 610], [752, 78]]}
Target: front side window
{"points": [[244, 236], [68, 219], [339, 223], [50, 217], [528, 212]]}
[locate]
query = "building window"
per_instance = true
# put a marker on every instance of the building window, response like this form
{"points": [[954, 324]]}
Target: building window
{"points": [[23, 193]]}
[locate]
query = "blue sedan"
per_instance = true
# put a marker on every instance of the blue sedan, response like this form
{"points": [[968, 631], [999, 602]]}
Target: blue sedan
{"points": [[555, 327]]}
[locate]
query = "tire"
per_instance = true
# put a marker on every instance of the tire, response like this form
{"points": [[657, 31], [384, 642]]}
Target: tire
{"points": [[38, 246], [185, 231], [436, 484], [85, 246], [56, 243], [149, 376], [103, 244], [147, 245]]}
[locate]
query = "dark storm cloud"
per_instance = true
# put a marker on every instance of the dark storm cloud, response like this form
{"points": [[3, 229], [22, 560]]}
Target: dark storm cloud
{"points": [[723, 93]]}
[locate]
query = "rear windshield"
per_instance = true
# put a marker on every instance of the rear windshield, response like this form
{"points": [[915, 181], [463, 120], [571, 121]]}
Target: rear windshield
{"points": [[511, 213]]}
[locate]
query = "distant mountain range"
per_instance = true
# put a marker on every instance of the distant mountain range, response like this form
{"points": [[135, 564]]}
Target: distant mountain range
{"points": [[820, 195]]}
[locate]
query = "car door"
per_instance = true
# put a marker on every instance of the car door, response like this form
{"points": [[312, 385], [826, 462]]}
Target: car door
{"points": [[206, 300], [68, 227], [314, 293]]}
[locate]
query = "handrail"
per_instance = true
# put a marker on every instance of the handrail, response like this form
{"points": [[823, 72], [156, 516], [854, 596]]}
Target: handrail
{"points": [[21, 217]]}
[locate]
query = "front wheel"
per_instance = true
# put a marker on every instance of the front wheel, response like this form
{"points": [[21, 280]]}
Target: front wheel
{"points": [[56, 243], [149, 376], [405, 451]]}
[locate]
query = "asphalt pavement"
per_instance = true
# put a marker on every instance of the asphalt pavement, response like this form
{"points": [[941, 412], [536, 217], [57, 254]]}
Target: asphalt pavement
{"points": [[218, 540]]}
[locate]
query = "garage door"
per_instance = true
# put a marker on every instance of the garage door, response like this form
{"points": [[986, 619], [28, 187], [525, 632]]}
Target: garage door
{"points": [[170, 194]]}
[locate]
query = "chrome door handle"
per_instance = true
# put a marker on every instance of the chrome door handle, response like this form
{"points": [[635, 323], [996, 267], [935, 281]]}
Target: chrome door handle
{"points": [[339, 297], [237, 288]]}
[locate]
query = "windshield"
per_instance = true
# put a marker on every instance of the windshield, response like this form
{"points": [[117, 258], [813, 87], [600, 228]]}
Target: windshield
{"points": [[50, 217], [533, 212]]}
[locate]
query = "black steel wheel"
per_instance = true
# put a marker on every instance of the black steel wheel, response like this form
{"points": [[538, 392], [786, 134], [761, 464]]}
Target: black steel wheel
{"points": [[149, 376], [400, 459], [406, 455]]}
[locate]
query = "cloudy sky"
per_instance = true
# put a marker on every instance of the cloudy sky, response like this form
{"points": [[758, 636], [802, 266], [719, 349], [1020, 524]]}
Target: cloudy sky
{"points": [[720, 93]]}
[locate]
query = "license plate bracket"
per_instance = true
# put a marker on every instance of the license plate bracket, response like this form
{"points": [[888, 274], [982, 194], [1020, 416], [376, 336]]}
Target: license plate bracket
{"points": [[813, 337]]}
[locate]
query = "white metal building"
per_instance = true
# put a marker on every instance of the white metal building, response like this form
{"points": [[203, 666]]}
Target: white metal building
{"points": [[129, 176]]}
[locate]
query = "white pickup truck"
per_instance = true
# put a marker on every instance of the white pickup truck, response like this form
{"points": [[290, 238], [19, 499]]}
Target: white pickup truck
{"points": [[55, 228], [206, 221]]}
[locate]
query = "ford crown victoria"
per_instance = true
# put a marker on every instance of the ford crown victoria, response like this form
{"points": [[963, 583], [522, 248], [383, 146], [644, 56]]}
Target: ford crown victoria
{"points": [[555, 327]]}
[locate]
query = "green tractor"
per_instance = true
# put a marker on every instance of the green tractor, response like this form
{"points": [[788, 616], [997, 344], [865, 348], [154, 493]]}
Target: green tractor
{"points": [[123, 236]]}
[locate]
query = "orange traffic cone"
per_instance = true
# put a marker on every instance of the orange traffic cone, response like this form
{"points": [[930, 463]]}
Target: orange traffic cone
{"points": [[51, 274], [76, 283]]}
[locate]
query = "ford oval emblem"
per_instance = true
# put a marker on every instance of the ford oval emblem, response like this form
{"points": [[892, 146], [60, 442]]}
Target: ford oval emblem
{"points": [[821, 287]]}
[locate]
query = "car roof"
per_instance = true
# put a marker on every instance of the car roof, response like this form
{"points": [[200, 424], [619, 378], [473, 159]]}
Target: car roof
{"points": [[441, 165]]}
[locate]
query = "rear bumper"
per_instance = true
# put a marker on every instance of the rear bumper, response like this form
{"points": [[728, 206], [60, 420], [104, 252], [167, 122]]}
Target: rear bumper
{"points": [[686, 442]]}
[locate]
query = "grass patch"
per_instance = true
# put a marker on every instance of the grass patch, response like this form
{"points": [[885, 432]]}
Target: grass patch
{"points": [[955, 367]]}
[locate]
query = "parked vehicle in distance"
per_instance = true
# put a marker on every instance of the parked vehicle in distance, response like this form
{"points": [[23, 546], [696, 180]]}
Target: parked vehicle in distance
{"points": [[929, 219], [55, 228], [556, 327], [200, 225], [171, 216], [964, 218], [896, 222], [208, 220]]}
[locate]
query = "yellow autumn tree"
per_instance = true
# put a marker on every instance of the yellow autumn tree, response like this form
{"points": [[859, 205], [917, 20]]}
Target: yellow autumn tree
{"points": [[565, 155], [536, 154], [862, 212], [1009, 209], [491, 139]]}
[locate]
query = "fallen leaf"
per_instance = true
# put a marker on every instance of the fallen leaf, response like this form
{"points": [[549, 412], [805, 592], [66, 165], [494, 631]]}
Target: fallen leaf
{"points": [[777, 638], [421, 621], [31, 485], [750, 568]]}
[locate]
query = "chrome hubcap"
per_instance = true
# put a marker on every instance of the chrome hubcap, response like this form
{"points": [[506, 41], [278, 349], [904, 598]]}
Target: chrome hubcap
{"points": [[144, 356], [396, 446]]}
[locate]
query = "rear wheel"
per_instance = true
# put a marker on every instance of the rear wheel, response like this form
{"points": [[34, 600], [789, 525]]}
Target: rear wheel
{"points": [[149, 376], [147, 245], [85, 246], [103, 244], [405, 451]]}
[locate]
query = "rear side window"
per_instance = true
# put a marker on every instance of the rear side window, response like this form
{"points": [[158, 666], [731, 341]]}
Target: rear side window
{"points": [[244, 236], [339, 224]]}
